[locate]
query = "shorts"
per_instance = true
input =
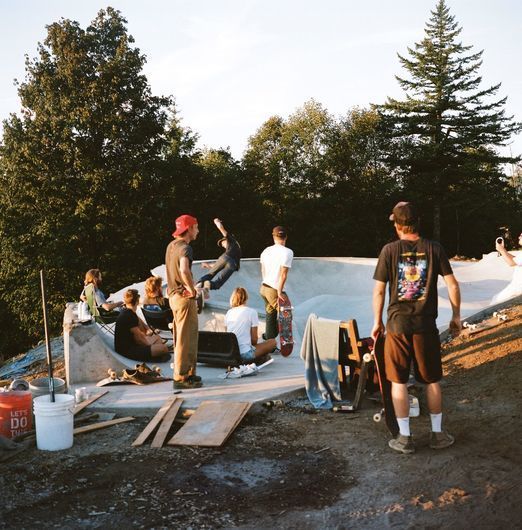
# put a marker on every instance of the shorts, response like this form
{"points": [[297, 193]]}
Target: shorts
{"points": [[421, 348], [138, 353], [249, 356]]}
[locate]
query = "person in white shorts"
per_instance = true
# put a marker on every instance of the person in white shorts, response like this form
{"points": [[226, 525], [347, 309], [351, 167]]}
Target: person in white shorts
{"points": [[243, 322], [275, 261]]}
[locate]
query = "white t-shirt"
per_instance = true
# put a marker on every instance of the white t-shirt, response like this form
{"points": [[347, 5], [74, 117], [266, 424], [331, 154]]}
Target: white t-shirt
{"points": [[272, 259], [240, 320], [514, 288]]}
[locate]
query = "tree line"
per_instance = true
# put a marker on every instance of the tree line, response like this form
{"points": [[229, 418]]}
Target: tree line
{"points": [[95, 168]]}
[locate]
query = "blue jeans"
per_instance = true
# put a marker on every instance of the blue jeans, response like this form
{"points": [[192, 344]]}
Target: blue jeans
{"points": [[220, 272]]}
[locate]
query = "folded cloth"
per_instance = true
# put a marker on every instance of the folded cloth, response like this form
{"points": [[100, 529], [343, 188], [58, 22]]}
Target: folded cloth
{"points": [[320, 352]]}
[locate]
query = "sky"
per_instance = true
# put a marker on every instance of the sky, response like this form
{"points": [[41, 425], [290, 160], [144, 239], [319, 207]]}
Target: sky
{"points": [[231, 64]]}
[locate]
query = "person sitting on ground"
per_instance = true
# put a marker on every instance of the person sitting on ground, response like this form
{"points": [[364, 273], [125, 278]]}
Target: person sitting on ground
{"points": [[243, 322], [154, 299], [225, 265], [515, 261], [93, 280], [132, 338]]}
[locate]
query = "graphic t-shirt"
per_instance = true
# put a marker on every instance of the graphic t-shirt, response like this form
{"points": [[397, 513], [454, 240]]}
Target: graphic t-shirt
{"points": [[176, 250], [412, 268], [123, 338]]}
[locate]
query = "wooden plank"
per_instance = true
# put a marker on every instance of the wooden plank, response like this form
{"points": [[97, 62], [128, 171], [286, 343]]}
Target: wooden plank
{"points": [[211, 424], [101, 425], [87, 402], [166, 424], [140, 440]]}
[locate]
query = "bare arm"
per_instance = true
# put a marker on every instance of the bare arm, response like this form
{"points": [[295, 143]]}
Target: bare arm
{"points": [[186, 275], [508, 258], [282, 280], [455, 325], [253, 335], [220, 227], [379, 295], [109, 306], [139, 336]]}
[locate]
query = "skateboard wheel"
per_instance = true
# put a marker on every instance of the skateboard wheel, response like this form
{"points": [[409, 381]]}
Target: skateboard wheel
{"points": [[496, 314], [377, 417], [465, 324], [112, 374], [367, 357]]}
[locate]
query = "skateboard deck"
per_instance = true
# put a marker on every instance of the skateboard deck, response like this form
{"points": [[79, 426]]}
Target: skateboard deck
{"points": [[496, 320], [385, 388], [284, 320]]}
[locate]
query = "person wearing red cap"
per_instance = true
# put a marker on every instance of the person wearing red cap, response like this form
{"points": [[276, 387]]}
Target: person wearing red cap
{"points": [[411, 267], [182, 299]]}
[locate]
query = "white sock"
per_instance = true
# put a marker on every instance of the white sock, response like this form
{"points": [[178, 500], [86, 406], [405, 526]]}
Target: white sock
{"points": [[436, 422], [404, 426]]}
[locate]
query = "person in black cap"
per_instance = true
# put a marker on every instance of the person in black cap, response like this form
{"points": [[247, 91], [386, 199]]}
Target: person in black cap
{"points": [[411, 266], [225, 265], [275, 261]]}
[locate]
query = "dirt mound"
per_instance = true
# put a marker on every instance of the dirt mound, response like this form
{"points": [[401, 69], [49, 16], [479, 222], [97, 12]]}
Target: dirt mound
{"points": [[294, 467]]}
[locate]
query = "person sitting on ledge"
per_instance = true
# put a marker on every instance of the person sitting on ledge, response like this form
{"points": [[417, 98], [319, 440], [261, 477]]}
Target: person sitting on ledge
{"points": [[513, 260], [154, 299], [132, 338], [93, 280], [243, 322]]}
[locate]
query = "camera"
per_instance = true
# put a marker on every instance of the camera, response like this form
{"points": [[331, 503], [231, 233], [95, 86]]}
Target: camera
{"points": [[499, 240]]}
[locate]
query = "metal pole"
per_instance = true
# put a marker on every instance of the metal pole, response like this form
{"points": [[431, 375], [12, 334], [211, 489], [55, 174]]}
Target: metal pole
{"points": [[47, 340]]}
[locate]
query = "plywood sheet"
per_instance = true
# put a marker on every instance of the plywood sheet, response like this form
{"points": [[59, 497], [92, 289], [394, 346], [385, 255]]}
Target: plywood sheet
{"points": [[140, 440], [166, 424], [211, 424]]}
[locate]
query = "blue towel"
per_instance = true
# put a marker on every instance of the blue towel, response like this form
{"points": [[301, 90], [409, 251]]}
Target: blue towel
{"points": [[320, 352]]}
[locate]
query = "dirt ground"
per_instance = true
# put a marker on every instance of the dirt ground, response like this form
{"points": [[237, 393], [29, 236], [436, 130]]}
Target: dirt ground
{"points": [[294, 467]]}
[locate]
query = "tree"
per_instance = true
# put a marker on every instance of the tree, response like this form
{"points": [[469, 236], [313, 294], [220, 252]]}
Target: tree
{"points": [[448, 128], [82, 168]]}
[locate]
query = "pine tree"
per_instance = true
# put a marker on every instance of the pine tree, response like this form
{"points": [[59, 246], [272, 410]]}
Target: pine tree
{"points": [[447, 130]]}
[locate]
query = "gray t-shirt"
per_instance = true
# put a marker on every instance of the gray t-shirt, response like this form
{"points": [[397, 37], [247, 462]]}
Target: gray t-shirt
{"points": [[176, 250]]}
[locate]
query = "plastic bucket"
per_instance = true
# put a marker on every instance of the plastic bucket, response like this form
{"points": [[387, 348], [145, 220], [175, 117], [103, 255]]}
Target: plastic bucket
{"points": [[40, 386], [15, 413], [54, 422]]}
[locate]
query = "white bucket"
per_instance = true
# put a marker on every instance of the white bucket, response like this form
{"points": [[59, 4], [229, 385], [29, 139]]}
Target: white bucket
{"points": [[54, 422]]}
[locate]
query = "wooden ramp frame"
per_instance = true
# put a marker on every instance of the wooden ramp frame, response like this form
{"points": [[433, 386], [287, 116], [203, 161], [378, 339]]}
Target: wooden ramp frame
{"points": [[211, 424]]}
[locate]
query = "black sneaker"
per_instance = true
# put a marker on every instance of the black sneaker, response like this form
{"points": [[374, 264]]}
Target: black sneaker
{"points": [[194, 378]]}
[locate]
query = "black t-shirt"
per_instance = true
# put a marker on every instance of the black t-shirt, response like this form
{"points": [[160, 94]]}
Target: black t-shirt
{"points": [[123, 338], [233, 249], [412, 269]]}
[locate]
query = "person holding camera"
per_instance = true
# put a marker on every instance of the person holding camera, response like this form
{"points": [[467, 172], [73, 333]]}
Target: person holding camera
{"points": [[515, 261]]}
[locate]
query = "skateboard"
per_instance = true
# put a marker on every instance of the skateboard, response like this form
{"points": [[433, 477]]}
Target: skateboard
{"points": [[385, 387], [498, 318], [284, 320], [141, 375]]}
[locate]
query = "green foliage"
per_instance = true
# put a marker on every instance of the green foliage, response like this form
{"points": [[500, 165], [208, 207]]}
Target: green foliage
{"points": [[447, 129], [82, 168]]}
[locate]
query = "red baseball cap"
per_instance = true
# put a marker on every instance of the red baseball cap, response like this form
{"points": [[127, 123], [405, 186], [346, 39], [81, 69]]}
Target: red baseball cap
{"points": [[183, 223]]}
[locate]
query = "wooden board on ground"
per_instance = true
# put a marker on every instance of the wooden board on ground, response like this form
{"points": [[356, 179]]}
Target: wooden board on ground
{"points": [[211, 424], [166, 424], [87, 402], [140, 440], [101, 425]]}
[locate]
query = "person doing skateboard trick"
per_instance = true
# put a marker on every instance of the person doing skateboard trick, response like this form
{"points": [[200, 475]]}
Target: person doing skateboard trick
{"points": [[225, 265], [411, 266], [182, 300], [275, 261]]}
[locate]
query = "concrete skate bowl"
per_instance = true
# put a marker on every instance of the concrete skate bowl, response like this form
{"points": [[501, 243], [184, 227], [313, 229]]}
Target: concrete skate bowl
{"points": [[341, 289]]}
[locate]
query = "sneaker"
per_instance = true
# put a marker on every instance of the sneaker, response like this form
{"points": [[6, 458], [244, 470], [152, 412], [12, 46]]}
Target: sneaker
{"points": [[186, 384], [441, 440], [402, 444], [207, 285], [194, 378], [137, 377]]}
